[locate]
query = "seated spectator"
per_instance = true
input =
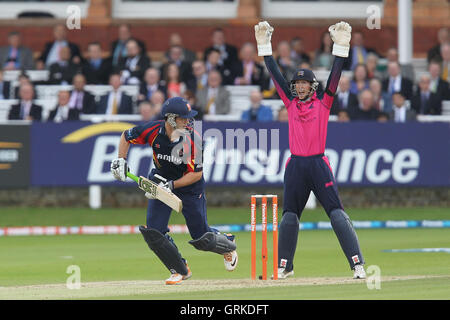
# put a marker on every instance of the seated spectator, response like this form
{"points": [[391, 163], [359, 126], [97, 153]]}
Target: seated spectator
{"points": [[63, 71], [62, 111], [151, 84], [118, 47], [287, 65], [407, 70], [190, 97], [366, 110], [115, 101], [298, 53], [132, 68], [257, 112], [445, 53], [15, 56], [95, 68], [283, 114], [437, 85], [400, 111], [323, 57], [157, 100], [200, 76], [214, 99], [358, 51], [51, 52], [213, 63], [344, 100], [175, 87], [187, 55], [247, 71], [443, 36], [26, 109], [228, 53], [343, 116], [146, 111], [382, 100], [396, 82], [81, 99], [383, 117], [4, 87], [424, 101], [23, 79], [360, 80], [176, 56]]}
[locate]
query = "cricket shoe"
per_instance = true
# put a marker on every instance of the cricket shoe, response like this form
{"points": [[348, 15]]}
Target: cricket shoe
{"points": [[177, 278], [359, 272], [230, 259], [283, 274]]}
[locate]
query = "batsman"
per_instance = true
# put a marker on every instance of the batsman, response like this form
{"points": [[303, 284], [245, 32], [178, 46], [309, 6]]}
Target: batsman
{"points": [[177, 156], [308, 168]]}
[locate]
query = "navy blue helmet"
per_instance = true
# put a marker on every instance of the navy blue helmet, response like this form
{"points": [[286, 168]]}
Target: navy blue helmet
{"points": [[178, 106]]}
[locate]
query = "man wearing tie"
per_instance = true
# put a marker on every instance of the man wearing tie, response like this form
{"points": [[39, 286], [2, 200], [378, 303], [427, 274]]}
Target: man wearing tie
{"points": [[400, 112], [151, 84], [115, 102], [25, 109], [424, 101], [62, 111], [358, 52], [437, 84], [15, 56], [79, 98], [214, 99], [345, 99], [395, 82]]}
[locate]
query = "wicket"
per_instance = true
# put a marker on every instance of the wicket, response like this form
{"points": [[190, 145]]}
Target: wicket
{"points": [[264, 234]]}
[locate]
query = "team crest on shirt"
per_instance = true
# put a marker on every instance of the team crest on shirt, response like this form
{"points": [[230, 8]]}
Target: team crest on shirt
{"points": [[300, 73]]}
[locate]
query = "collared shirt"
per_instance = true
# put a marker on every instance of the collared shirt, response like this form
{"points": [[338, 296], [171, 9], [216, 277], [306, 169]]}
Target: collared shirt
{"points": [[62, 113], [395, 84], [25, 107], [76, 100], [118, 96], [53, 55], [400, 114], [343, 97]]}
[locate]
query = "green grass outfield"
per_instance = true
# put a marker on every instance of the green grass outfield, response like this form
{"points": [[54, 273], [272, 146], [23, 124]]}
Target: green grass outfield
{"points": [[122, 267]]}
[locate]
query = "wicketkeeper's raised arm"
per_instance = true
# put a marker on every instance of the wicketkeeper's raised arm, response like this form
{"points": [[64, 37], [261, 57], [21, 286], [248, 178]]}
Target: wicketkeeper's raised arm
{"points": [[341, 34], [263, 35]]}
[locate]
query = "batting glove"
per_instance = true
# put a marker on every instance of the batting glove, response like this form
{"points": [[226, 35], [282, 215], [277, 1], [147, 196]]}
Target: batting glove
{"points": [[263, 35], [119, 169], [163, 182], [341, 33], [148, 195]]}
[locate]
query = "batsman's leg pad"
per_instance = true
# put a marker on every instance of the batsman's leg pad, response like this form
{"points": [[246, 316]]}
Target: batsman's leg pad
{"points": [[347, 237], [164, 249], [214, 242], [287, 240]]}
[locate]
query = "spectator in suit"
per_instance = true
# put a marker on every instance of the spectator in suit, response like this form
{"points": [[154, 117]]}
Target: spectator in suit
{"points": [[4, 87], [323, 57], [344, 100], [184, 67], [247, 71], [26, 109], [381, 99], [213, 63], [358, 51], [400, 112], [118, 47], [214, 99], [445, 53], [287, 65], [424, 101], [95, 68], [62, 111], [187, 55], [360, 80], [407, 70], [51, 52], [146, 111], [434, 53], [298, 53], [343, 116], [157, 100], [63, 71], [200, 76], [257, 112], [15, 56], [134, 65], [228, 53], [437, 85], [81, 99], [395, 82], [115, 101], [366, 110], [151, 84], [23, 79]]}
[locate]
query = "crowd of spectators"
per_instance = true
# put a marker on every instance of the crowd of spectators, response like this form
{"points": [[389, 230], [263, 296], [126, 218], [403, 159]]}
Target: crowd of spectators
{"points": [[381, 92]]}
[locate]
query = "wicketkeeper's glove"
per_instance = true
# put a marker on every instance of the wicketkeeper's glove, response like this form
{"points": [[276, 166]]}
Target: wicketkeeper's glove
{"points": [[263, 35], [341, 33], [119, 169]]}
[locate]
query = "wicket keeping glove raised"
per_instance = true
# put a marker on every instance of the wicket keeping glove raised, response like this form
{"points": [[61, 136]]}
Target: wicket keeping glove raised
{"points": [[119, 169], [341, 33], [263, 35]]}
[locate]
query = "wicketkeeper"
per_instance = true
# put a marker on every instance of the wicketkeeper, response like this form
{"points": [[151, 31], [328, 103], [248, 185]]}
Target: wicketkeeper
{"points": [[308, 168], [177, 156]]}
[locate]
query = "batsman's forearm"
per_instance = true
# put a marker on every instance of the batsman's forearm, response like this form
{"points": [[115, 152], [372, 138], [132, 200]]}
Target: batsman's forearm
{"points": [[187, 179], [123, 147]]}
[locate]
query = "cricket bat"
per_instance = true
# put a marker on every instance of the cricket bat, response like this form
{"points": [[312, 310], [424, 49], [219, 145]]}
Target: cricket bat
{"points": [[158, 192]]}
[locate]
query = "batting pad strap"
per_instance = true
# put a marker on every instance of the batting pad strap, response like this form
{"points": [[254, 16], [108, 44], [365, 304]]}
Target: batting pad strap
{"points": [[340, 51], [214, 242], [265, 50], [164, 249]]}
